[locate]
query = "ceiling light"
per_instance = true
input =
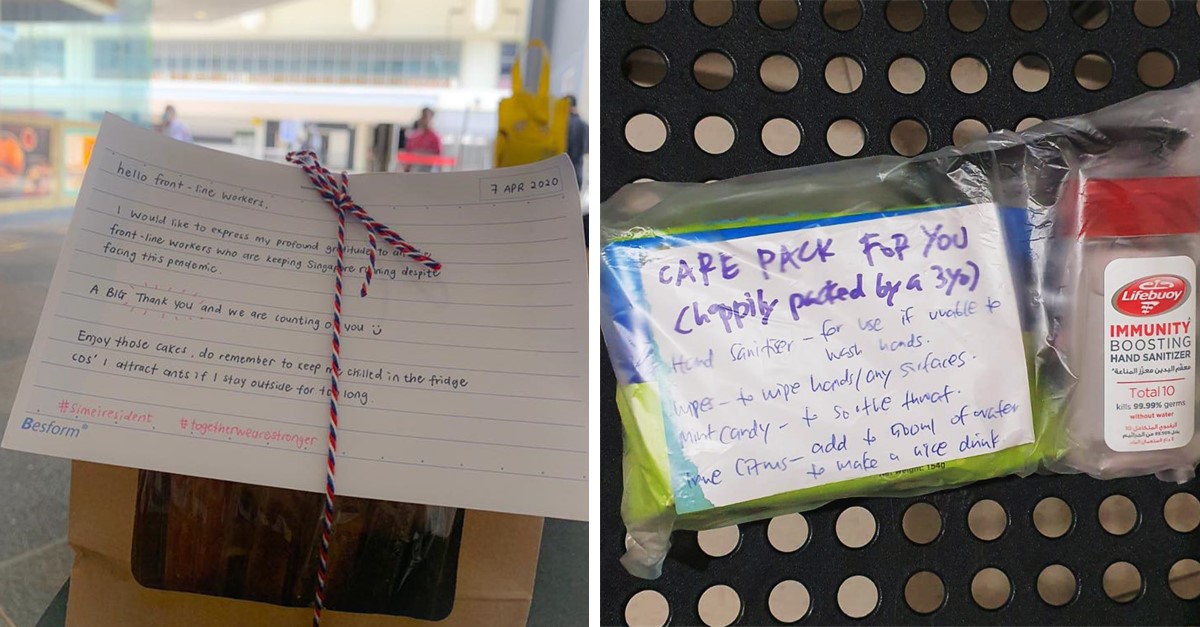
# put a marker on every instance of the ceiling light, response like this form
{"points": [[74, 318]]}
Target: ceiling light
{"points": [[253, 20], [362, 14], [485, 14]]}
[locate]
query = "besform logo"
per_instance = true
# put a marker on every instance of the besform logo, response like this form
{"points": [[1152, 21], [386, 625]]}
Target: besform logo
{"points": [[1152, 295]]}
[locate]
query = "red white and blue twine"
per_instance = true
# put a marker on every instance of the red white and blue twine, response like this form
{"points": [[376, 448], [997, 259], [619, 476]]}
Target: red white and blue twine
{"points": [[334, 190]]}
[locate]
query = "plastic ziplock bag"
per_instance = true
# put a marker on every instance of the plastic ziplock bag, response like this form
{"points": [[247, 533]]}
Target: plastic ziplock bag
{"points": [[711, 244], [1121, 189], [257, 543]]}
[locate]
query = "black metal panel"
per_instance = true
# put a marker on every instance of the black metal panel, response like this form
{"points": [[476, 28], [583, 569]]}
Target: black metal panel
{"points": [[1022, 552]]}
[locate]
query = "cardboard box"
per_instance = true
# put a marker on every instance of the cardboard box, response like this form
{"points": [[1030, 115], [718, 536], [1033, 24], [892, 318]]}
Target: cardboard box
{"points": [[497, 564]]}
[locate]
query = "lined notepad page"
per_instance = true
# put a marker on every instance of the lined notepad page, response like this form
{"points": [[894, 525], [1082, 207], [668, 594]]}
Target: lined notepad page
{"points": [[187, 329]]}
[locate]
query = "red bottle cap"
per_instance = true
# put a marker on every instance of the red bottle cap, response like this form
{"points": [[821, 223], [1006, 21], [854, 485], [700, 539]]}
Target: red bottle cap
{"points": [[1168, 205]]}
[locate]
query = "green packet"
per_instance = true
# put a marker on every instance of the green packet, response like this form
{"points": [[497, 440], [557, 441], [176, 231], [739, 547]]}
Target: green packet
{"points": [[722, 425], [648, 501]]}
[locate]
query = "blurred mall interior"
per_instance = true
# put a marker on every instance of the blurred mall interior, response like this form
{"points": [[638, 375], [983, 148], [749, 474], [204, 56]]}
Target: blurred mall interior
{"points": [[257, 78], [348, 78]]}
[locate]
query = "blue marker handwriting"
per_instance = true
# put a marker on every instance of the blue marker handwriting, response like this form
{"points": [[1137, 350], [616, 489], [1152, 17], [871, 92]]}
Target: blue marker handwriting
{"points": [[705, 266], [960, 309], [887, 319], [931, 361], [730, 314], [848, 377], [1000, 409], [939, 395], [912, 341], [682, 364], [936, 239], [909, 429], [727, 434], [844, 352], [693, 407], [989, 441], [770, 347], [751, 467], [793, 257]]}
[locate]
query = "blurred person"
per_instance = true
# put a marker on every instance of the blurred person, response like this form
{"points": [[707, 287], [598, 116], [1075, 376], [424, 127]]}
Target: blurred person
{"points": [[381, 147], [172, 127], [289, 135], [422, 140], [577, 141], [313, 140]]}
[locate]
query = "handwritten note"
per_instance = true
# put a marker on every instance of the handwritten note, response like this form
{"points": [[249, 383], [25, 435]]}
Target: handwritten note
{"points": [[821, 354], [188, 322]]}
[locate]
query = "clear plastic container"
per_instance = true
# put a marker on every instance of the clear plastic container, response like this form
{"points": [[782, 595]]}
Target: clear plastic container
{"points": [[261, 544], [1128, 334]]}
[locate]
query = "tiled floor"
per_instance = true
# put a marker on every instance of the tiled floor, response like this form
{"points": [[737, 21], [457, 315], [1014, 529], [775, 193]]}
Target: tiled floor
{"points": [[35, 559]]}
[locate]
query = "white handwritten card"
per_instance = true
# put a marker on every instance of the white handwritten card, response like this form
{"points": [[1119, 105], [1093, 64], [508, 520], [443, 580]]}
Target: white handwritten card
{"points": [[821, 354], [187, 329]]}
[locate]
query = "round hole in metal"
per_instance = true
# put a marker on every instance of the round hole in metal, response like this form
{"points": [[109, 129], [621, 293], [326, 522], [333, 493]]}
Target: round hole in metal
{"points": [[905, 15], [1118, 514], [1093, 71], [779, 73], [991, 589], [1028, 122], [909, 138], [969, 74], [1031, 73], [841, 15], [1090, 14], [922, 523], [987, 520], [1184, 579], [1152, 13], [640, 198], [719, 542], [858, 596], [1056, 585], [967, 131], [1182, 512], [714, 134], [645, 132], [648, 608], [646, 11], [778, 14], [713, 70], [967, 15], [719, 606], [781, 136], [924, 592], [644, 67], [712, 12], [855, 527], [1156, 68], [906, 75], [844, 74], [846, 137], [1028, 15], [789, 601], [1052, 517], [788, 533], [1122, 582]]}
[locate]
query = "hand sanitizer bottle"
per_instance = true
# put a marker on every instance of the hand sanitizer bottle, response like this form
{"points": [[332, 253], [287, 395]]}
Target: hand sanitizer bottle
{"points": [[1129, 335]]}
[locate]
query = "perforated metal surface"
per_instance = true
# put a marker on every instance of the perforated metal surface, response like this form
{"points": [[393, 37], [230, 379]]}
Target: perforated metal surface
{"points": [[1072, 537]]}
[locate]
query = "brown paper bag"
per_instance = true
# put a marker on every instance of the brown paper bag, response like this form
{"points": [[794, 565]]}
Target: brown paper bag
{"points": [[496, 568]]}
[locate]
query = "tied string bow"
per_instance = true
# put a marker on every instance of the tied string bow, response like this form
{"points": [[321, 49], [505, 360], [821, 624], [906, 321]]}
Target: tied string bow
{"points": [[333, 189]]}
